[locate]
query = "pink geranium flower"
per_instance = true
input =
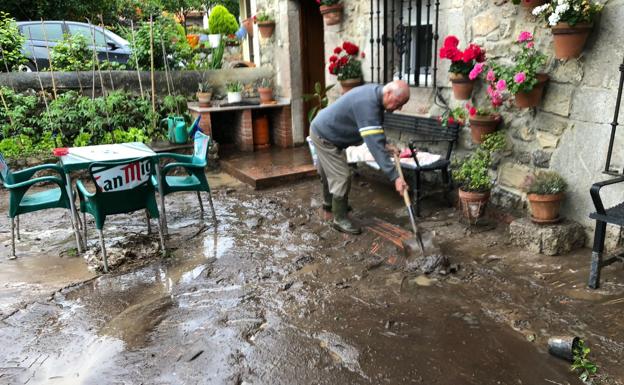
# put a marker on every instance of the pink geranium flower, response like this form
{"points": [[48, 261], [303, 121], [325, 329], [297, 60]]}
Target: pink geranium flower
{"points": [[524, 36], [491, 76], [476, 71], [501, 85], [520, 77], [530, 45]]}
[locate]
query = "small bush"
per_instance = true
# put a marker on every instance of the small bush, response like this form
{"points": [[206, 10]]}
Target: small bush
{"points": [[473, 172], [221, 21], [11, 41], [72, 54], [544, 183], [166, 31]]}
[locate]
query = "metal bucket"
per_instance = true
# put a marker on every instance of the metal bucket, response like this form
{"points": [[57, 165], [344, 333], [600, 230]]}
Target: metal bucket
{"points": [[563, 346]]}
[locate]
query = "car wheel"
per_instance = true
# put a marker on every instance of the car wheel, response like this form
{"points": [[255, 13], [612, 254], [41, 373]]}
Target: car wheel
{"points": [[28, 67]]}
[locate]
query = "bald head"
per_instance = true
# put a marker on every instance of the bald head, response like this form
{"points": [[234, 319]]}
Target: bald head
{"points": [[395, 95]]}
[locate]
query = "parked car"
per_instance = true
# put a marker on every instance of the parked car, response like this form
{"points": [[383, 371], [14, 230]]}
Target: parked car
{"points": [[42, 36]]}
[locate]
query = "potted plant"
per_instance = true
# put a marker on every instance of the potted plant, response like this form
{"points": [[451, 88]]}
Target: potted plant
{"points": [[545, 191], [266, 24], [485, 120], [529, 4], [524, 79], [474, 178], [571, 21], [453, 116], [234, 92], [204, 94], [461, 64], [221, 22], [331, 11], [345, 63], [265, 90]]}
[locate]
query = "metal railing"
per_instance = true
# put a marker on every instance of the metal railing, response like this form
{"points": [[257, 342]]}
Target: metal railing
{"points": [[403, 41]]}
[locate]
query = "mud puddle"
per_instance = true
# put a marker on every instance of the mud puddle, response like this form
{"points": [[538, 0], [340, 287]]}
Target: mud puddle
{"points": [[274, 296]]}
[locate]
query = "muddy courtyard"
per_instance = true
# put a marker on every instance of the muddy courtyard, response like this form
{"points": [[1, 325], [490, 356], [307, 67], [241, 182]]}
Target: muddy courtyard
{"points": [[273, 295]]}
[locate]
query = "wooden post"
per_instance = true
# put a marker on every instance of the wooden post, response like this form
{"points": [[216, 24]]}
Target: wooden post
{"points": [[45, 36], [136, 59], [152, 69]]}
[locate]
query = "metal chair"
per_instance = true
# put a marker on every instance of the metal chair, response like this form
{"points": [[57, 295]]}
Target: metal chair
{"points": [[21, 202], [194, 166], [121, 187]]}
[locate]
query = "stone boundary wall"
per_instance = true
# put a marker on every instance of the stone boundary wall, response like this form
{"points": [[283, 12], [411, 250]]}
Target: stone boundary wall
{"points": [[184, 82], [568, 132]]}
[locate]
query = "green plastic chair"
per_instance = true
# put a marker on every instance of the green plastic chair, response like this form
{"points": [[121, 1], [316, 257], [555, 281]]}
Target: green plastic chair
{"points": [[121, 187], [194, 165], [21, 202]]}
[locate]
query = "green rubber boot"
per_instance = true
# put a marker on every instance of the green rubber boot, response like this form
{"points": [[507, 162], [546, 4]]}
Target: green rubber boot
{"points": [[341, 221], [327, 196]]}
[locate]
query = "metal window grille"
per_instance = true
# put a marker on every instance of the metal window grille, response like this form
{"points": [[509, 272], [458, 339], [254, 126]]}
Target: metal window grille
{"points": [[403, 41]]}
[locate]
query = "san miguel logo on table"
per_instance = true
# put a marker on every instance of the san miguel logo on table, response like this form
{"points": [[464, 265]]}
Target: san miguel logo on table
{"points": [[123, 177]]}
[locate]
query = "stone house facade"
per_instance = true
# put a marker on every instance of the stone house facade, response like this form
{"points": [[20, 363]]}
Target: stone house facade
{"points": [[568, 132]]}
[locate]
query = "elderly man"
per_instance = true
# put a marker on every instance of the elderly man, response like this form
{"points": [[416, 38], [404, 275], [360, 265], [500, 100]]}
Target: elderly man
{"points": [[354, 118]]}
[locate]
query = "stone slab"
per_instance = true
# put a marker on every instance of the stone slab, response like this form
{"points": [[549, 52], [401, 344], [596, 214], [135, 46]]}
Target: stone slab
{"points": [[555, 239]]}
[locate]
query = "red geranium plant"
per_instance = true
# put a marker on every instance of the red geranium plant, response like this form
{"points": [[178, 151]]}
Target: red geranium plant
{"points": [[461, 61], [345, 62]]}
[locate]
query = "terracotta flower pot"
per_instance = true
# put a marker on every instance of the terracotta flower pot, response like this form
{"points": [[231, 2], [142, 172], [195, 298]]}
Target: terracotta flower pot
{"points": [[462, 86], [332, 14], [473, 203], [570, 40], [348, 84], [266, 28], [533, 97], [482, 125], [266, 94], [545, 208], [530, 4], [261, 138], [204, 98]]}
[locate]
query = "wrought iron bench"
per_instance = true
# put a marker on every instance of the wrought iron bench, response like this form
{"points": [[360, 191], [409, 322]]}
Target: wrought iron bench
{"points": [[425, 130], [613, 215]]}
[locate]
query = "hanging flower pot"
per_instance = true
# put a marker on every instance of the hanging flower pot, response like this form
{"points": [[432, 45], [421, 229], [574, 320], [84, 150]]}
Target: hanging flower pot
{"points": [[266, 28], [332, 14], [481, 125], [534, 97], [349, 84], [462, 86], [530, 4], [473, 203], [570, 40]]}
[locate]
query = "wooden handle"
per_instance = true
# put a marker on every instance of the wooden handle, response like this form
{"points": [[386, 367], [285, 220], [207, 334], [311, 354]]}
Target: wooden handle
{"points": [[406, 197]]}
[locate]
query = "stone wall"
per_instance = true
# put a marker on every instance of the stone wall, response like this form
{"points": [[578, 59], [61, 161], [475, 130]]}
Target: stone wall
{"points": [[567, 133]]}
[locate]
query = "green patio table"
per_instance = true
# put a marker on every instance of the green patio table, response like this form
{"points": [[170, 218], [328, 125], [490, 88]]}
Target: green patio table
{"points": [[79, 158]]}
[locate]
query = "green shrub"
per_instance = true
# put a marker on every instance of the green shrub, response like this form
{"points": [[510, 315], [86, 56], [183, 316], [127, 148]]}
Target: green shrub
{"points": [[166, 31], [72, 54], [221, 21], [11, 41], [19, 116], [544, 183]]}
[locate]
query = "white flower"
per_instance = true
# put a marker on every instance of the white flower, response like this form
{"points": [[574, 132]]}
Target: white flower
{"points": [[538, 10], [561, 8], [553, 19]]}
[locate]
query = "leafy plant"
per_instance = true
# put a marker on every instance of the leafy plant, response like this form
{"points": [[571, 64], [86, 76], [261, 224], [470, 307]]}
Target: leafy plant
{"points": [[18, 115], [345, 62], [72, 54], [473, 172], [168, 32], [522, 76], [263, 16], [11, 42], [544, 183], [581, 364], [319, 98], [234, 87], [456, 115], [266, 83], [221, 21], [568, 11], [204, 87]]}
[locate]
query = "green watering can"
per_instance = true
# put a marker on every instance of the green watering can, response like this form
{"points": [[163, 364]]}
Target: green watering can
{"points": [[176, 129]]}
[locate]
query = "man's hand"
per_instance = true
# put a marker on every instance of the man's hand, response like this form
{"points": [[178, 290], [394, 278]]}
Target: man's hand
{"points": [[392, 150], [400, 185]]}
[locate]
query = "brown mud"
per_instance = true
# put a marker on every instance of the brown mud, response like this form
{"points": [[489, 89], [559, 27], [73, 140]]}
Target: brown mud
{"points": [[272, 295]]}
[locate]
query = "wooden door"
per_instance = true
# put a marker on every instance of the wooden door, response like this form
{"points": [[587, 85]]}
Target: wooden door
{"points": [[312, 52]]}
